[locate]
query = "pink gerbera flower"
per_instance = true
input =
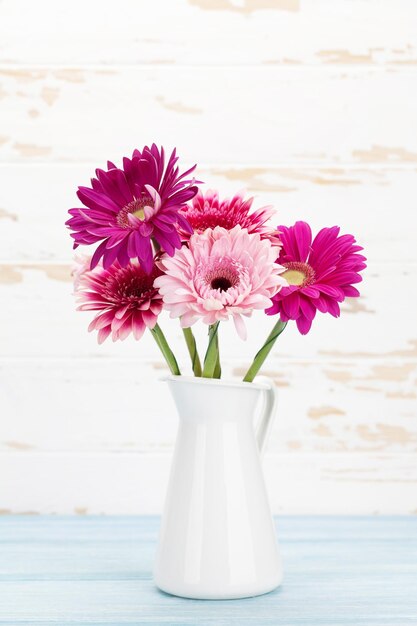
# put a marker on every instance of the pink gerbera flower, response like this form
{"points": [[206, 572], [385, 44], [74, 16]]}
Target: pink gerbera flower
{"points": [[220, 273], [125, 296], [208, 211], [126, 208], [320, 274]]}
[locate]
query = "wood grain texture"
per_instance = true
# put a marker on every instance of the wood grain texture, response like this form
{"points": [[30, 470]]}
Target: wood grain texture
{"points": [[97, 571], [93, 435], [211, 32], [361, 199], [308, 104], [282, 117], [55, 329], [344, 407], [124, 482]]}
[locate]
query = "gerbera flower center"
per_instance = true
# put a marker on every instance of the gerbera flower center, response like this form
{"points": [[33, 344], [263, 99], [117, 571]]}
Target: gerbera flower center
{"points": [[128, 286], [298, 274], [136, 207], [222, 277], [221, 283], [210, 218]]}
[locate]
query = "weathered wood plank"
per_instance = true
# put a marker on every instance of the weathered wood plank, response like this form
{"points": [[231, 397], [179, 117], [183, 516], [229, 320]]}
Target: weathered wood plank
{"points": [[116, 483], [39, 318], [204, 32], [345, 406], [97, 571], [345, 116], [356, 198]]}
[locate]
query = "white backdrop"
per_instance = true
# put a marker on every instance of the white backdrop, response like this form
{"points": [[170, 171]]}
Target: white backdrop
{"points": [[309, 104]]}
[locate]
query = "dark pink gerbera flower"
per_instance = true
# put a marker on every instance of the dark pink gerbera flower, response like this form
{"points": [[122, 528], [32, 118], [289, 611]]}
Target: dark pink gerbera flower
{"points": [[208, 211], [320, 274], [126, 208], [125, 296]]}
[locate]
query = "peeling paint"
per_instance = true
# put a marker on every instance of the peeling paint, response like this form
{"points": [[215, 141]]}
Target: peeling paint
{"points": [[397, 373], [403, 62], [8, 215], [336, 176], [14, 274], [106, 72], [80, 510], [408, 352], [340, 376], [294, 445], [56, 272], [322, 411], [179, 107], [49, 95], [283, 61], [401, 395], [335, 181], [70, 75], [344, 57], [356, 305], [386, 434], [250, 176], [9, 275], [384, 154], [322, 431], [18, 445], [31, 150], [246, 7], [23, 75], [371, 389], [27, 512]]}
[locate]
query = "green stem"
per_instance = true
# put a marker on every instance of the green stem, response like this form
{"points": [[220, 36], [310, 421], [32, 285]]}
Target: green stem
{"points": [[211, 357], [192, 350], [162, 343], [218, 368], [260, 357]]}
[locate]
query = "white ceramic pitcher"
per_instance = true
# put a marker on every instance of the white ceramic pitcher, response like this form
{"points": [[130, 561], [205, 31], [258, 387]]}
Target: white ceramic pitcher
{"points": [[217, 538]]}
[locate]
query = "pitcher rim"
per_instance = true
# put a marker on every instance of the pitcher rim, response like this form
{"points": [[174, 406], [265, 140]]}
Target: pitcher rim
{"points": [[199, 380]]}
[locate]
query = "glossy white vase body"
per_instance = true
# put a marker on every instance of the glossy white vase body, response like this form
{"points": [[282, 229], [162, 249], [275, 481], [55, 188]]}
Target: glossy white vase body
{"points": [[217, 538]]}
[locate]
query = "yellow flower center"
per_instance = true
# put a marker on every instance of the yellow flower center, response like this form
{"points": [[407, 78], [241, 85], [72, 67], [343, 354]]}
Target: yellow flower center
{"points": [[137, 208], [139, 213], [294, 277], [298, 274]]}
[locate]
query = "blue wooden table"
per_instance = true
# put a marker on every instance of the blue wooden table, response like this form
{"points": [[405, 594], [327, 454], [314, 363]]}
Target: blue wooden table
{"points": [[97, 570]]}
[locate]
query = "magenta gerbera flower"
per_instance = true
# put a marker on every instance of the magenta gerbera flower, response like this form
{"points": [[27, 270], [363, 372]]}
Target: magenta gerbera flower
{"points": [[125, 296], [126, 208], [320, 274], [220, 274], [208, 211]]}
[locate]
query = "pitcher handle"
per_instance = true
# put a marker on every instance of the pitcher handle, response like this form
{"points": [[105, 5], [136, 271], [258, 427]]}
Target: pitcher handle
{"points": [[268, 412]]}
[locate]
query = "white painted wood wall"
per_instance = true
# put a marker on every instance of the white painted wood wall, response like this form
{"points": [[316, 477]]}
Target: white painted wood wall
{"points": [[309, 104]]}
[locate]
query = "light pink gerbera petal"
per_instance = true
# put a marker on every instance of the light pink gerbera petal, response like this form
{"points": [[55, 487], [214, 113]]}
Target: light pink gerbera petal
{"points": [[218, 274]]}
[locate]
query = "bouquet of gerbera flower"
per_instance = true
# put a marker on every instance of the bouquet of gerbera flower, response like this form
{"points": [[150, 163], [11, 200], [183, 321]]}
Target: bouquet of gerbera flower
{"points": [[163, 244]]}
